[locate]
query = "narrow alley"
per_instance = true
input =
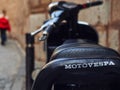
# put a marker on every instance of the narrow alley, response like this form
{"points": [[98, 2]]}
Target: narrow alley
{"points": [[12, 67]]}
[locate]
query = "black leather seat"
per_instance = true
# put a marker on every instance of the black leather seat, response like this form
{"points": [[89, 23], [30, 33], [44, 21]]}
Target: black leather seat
{"points": [[80, 66], [82, 49], [83, 74]]}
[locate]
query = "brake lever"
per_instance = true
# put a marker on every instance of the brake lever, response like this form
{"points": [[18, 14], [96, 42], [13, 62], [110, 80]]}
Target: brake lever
{"points": [[43, 37], [47, 31], [46, 24], [37, 31], [41, 28]]}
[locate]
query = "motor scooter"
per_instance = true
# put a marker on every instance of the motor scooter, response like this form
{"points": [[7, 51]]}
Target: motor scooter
{"points": [[75, 60]]}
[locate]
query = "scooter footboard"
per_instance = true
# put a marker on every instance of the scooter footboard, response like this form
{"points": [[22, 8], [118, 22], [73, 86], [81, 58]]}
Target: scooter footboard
{"points": [[79, 74]]}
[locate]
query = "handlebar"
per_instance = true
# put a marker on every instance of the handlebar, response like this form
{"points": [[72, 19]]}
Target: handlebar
{"points": [[62, 5], [61, 10], [90, 4], [50, 22], [47, 31]]}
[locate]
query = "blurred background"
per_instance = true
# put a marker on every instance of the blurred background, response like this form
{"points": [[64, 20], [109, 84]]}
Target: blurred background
{"points": [[28, 15]]}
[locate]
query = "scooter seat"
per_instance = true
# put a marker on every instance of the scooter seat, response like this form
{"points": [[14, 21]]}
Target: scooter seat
{"points": [[82, 49], [79, 74], [80, 66]]}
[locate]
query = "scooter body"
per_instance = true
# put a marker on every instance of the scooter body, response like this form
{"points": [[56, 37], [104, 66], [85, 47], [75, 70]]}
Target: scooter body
{"points": [[75, 60], [57, 37]]}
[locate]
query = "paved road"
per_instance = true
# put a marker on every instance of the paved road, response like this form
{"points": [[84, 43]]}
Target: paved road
{"points": [[12, 67]]}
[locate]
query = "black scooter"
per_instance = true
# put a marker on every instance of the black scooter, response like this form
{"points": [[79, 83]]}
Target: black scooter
{"points": [[75, 60]]}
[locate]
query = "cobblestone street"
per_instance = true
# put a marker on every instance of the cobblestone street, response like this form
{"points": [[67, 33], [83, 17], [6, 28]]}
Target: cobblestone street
{"points": [[12, 67]]}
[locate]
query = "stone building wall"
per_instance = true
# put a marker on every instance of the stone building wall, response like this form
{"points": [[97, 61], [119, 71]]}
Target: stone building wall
{"points": [[114, 27], [28, 15], [105, 19], [18, 13]]}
